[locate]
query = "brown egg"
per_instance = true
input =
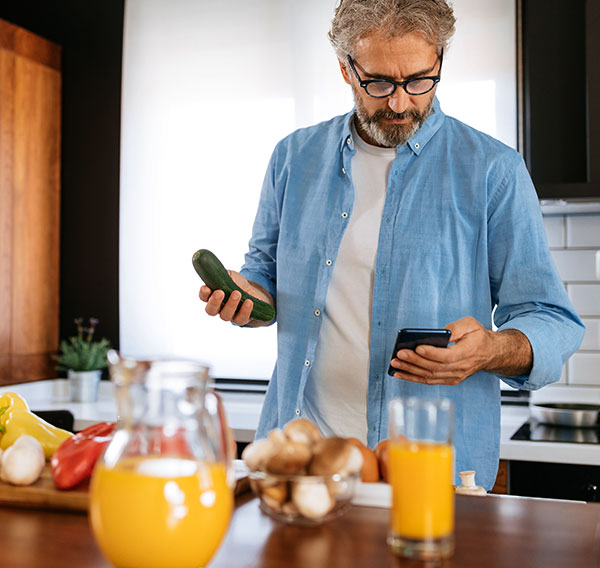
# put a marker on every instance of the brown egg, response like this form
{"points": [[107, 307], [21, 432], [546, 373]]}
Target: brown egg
{"points": [[370, 468], [381, 451]]}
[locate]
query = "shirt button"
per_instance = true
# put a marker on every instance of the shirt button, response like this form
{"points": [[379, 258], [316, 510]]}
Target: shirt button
{"points": [[297, 411], [349, 141], [307, 362], [317, 312], [417, 146], [344, 171], [344, 215], [328, 262]]}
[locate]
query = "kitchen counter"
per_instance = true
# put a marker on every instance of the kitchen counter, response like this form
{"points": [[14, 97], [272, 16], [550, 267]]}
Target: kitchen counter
{"points": [[243, 411], [491, 531]]}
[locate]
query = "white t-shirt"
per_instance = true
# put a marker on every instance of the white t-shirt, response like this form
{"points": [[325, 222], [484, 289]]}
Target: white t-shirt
{"points": [[336, 390]]}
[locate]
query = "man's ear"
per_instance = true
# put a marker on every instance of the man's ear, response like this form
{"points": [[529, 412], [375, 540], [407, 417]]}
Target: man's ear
{"points": [[344, 71]]}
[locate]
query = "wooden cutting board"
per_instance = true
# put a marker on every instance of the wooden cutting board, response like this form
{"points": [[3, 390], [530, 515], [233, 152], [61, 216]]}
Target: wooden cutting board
{"points": [[44, 495]]}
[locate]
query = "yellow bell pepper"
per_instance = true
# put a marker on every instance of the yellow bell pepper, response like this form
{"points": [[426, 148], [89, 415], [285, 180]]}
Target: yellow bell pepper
{"points": [[12, 400], [16, 419]]}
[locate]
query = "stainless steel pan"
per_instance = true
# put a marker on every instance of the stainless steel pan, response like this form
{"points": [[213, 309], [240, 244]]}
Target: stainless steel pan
{"points": [[571, 414]]}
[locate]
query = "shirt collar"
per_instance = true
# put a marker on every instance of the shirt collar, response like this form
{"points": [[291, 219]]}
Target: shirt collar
{"points": [[419, 139]]}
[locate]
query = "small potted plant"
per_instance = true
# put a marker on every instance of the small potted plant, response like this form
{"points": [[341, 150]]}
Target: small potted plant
{"points": [[83, 359]]}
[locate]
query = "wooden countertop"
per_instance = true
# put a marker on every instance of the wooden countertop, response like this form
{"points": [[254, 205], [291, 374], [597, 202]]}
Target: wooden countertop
{"points": [[490, 531]]}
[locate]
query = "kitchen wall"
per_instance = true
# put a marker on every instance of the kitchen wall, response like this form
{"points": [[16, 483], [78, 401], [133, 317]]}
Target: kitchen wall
{"points": [[573, 232]]}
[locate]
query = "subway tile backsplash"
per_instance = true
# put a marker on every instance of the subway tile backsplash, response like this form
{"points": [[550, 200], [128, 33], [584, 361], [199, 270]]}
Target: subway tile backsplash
{"points": [[591, 341], [555, 230], [585, 298], [574, 240], [584, 369], [583, 231], [576, 265]]}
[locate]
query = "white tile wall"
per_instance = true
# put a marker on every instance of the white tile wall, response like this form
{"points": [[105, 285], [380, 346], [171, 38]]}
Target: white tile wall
{"points": [[555, 230], [584, 369], [574, 240], [592, 334], [577, 265], [585, 298], [583, 230]]}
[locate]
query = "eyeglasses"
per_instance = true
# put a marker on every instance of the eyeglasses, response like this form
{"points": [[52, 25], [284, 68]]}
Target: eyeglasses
{"points": [[381, 88]]}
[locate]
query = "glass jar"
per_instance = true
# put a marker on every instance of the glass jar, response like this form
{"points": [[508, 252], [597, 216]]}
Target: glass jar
{"points": [[162, 493]]}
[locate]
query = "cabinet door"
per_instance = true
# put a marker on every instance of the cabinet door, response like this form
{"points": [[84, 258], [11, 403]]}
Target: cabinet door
{"points": [[560, 96], [30, 89]]}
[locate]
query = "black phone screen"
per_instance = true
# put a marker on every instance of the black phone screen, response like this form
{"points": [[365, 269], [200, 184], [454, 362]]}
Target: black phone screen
{"points": [[409, 338]]}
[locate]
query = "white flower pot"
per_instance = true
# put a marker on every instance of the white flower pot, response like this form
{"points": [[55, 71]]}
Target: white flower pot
{"points": [[84, 385]]}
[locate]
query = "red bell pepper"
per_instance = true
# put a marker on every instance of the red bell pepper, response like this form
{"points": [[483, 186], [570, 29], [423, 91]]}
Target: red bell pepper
{"points": [[74, 460]]}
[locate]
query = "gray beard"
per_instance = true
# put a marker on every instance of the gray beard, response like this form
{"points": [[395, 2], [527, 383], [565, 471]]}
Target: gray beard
{"points": [[390, 135]]}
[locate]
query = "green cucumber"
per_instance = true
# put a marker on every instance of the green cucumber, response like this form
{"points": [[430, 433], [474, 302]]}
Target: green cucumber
{"points": [[216, 277]]}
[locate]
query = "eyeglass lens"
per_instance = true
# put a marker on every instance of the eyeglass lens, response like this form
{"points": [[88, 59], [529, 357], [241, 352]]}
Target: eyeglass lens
{"points": [[415, 87]]}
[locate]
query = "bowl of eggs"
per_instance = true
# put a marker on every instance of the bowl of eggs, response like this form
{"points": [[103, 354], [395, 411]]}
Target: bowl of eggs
{"points": [[302, 478]]}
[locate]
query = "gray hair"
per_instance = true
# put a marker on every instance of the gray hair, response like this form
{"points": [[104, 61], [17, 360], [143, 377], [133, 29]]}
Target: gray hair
{"points": [[356, 19]]}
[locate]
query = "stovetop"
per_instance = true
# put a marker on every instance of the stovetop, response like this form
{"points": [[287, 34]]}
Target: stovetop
{"points": [[534, 431]]}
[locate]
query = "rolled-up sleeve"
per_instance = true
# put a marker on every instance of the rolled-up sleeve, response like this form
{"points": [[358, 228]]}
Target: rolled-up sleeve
{"points": [[260, 264], [525, 283]]}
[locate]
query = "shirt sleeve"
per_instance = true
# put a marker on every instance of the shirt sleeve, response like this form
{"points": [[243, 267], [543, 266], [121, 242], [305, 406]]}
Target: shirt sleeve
{"points": [[526, 287], [261, 258]]}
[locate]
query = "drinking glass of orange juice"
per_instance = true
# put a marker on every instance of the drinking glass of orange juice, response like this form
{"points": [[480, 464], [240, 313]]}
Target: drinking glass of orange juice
{"points": [[421, 464], [161, 496]]}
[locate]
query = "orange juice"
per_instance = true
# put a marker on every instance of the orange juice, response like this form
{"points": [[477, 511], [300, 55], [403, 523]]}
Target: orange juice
{"points": [[160, 511], [422, 493]]}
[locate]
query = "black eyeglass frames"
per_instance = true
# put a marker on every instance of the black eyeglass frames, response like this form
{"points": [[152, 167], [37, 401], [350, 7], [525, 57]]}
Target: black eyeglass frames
{"points": [[381, 88]]}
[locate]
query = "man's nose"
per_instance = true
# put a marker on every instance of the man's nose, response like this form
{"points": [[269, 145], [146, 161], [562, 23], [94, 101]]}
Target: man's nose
{"points": [[399, 101]]}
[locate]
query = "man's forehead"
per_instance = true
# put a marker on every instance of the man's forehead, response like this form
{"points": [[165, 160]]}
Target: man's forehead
{"points": [[413, 43], [400, 55]]}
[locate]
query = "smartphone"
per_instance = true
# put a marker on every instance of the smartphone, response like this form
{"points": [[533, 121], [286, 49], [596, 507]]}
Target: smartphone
{"points": [[409, 338]]}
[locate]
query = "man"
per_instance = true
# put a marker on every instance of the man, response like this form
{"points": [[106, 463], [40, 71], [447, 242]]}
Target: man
{"points": [[395, 216]]}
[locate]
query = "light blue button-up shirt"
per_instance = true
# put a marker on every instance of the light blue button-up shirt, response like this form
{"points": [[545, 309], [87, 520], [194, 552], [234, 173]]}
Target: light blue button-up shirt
{"points": [[461, 233]]}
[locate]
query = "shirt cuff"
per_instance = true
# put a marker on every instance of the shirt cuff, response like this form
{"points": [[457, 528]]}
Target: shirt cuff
{"points": [[547, 359], [259, 278]]}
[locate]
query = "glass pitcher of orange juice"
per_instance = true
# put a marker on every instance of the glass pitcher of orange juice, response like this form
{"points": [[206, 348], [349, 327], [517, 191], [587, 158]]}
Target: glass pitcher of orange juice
{"points": [[161, 496]]}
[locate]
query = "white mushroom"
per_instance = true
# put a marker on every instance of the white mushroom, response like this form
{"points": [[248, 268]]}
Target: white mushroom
{"points": [[290, 459], [277, 491], [302, 430], [256, 454], [277, 437], [312, 498], [22, 463], [335, 455], [353, 463]]}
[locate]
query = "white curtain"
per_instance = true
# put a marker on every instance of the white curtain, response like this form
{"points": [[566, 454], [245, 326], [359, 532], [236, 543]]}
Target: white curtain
{"points": [[208, 90]]}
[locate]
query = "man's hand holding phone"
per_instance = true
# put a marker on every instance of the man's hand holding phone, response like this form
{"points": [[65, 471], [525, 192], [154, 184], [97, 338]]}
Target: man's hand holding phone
{"points": [[474, 348]]}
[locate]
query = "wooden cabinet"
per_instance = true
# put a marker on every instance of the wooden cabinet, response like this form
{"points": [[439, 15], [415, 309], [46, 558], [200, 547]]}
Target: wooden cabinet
{"points": [[501, 484], [30, 120]]}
